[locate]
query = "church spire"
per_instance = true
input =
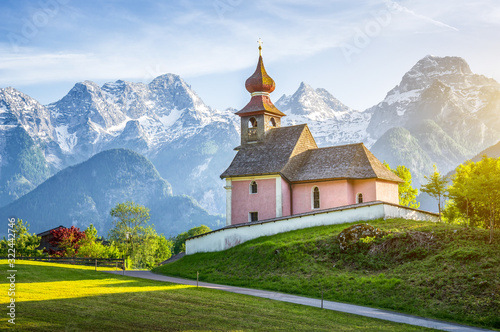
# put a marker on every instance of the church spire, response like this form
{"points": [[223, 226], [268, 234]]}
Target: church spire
{"points": [[259, 116], [260, 85]]}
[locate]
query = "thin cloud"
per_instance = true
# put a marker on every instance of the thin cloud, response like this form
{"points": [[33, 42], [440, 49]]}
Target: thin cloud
{"points": [[397, 7]]}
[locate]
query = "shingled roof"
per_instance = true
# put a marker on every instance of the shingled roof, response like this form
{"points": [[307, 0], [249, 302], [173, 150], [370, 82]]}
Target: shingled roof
{"points": [[353, 161], [280, 154], [269, 157]]}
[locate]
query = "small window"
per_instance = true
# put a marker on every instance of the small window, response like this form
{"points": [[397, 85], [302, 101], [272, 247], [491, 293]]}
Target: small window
{"points": [[252, 123], [272, 122], [359, 198], [253, 187], [253, 216], [316, 198]]}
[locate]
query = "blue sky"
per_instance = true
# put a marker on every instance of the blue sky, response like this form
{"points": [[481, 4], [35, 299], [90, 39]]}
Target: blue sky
{"points": [[357, 50]]}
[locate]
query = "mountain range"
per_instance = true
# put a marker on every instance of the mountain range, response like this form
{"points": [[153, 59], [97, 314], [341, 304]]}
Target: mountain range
{"points": [[440, 113]]}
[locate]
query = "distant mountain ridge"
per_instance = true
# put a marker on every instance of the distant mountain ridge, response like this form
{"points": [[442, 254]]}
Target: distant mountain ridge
{"points": [[85, 193]]}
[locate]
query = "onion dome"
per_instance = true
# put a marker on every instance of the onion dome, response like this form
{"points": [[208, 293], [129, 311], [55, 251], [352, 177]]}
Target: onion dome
{"points": [[260, 85], [260, 81]]}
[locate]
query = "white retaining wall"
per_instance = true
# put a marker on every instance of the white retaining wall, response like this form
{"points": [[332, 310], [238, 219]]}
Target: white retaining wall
{"points": [[231, 236]]}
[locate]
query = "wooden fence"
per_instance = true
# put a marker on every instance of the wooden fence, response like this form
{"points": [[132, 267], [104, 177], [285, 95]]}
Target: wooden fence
{"points": [[112, 263]]}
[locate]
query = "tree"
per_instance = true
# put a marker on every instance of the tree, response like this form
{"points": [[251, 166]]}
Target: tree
{"points": [[180, 240], [407, 194], [486, 188], [67, 240], [136, 239], [475, 192], [151, 250], [435, 187], [128, 223], [92, 246], [26, 244], [460, 205]]}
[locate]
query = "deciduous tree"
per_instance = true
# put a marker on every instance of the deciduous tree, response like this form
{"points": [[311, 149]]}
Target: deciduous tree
{"points": [[92, 246], [407, 194], [180, 240], [25, 244], [435, 187], [67, 240], [475, 192], [138, 240], [129, 219]]}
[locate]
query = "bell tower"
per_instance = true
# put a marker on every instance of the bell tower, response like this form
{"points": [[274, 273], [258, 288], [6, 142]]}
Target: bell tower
{"points": [[259, 115]]}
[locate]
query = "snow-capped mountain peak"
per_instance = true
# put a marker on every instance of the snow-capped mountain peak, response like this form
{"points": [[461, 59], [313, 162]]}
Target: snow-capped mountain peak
{"points": [[19, 109], [450, 69], [330, 121], [316, 104]]}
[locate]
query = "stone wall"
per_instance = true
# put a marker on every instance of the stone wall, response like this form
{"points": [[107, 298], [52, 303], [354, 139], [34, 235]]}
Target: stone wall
{"points": [[231, 236]]}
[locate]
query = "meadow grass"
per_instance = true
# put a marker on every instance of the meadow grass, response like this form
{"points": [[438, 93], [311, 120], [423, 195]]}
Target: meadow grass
{"points": [[453, 276], [57, 297]]}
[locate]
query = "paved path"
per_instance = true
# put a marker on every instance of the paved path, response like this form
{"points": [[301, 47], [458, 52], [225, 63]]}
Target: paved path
{"points": [[330, 305]]}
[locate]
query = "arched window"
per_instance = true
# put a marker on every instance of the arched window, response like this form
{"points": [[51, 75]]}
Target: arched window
{"points": [[272, 122], [315, 198], [359, 198], [252, 123], [253, 187]]}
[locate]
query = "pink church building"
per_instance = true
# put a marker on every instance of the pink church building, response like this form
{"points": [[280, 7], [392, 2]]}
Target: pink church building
{"points": [[280, 171]]}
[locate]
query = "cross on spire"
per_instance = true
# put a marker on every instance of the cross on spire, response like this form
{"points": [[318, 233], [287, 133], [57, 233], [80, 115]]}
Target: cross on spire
{"points": [[260, 46]]}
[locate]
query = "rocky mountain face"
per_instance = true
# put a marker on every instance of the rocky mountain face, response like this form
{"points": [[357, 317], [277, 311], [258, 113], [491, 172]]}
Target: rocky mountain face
{"points": [[84, 194], [24, 130], [440, 113], [491, 152]]}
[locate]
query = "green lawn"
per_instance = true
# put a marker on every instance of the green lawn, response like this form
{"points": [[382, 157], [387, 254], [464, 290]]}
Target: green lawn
{"points": [[454, 275], [55, 297]]}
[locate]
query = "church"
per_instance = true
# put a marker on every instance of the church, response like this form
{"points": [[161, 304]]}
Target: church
{"points": [[280, 171]]}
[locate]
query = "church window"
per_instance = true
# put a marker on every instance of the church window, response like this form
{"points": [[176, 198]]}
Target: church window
{"points": [[253, 187], [252, 123], [359, 198], [272, 122], [253, 216], [315, 198]]}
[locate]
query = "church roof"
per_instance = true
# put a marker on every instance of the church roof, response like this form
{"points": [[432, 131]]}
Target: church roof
{"points": [[260, 104], [278, 155], [353, 161], [269, 157]]}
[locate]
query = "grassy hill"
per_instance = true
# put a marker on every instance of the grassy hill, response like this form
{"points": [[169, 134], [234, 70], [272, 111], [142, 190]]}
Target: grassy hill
{"points": [[434, 270]]}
